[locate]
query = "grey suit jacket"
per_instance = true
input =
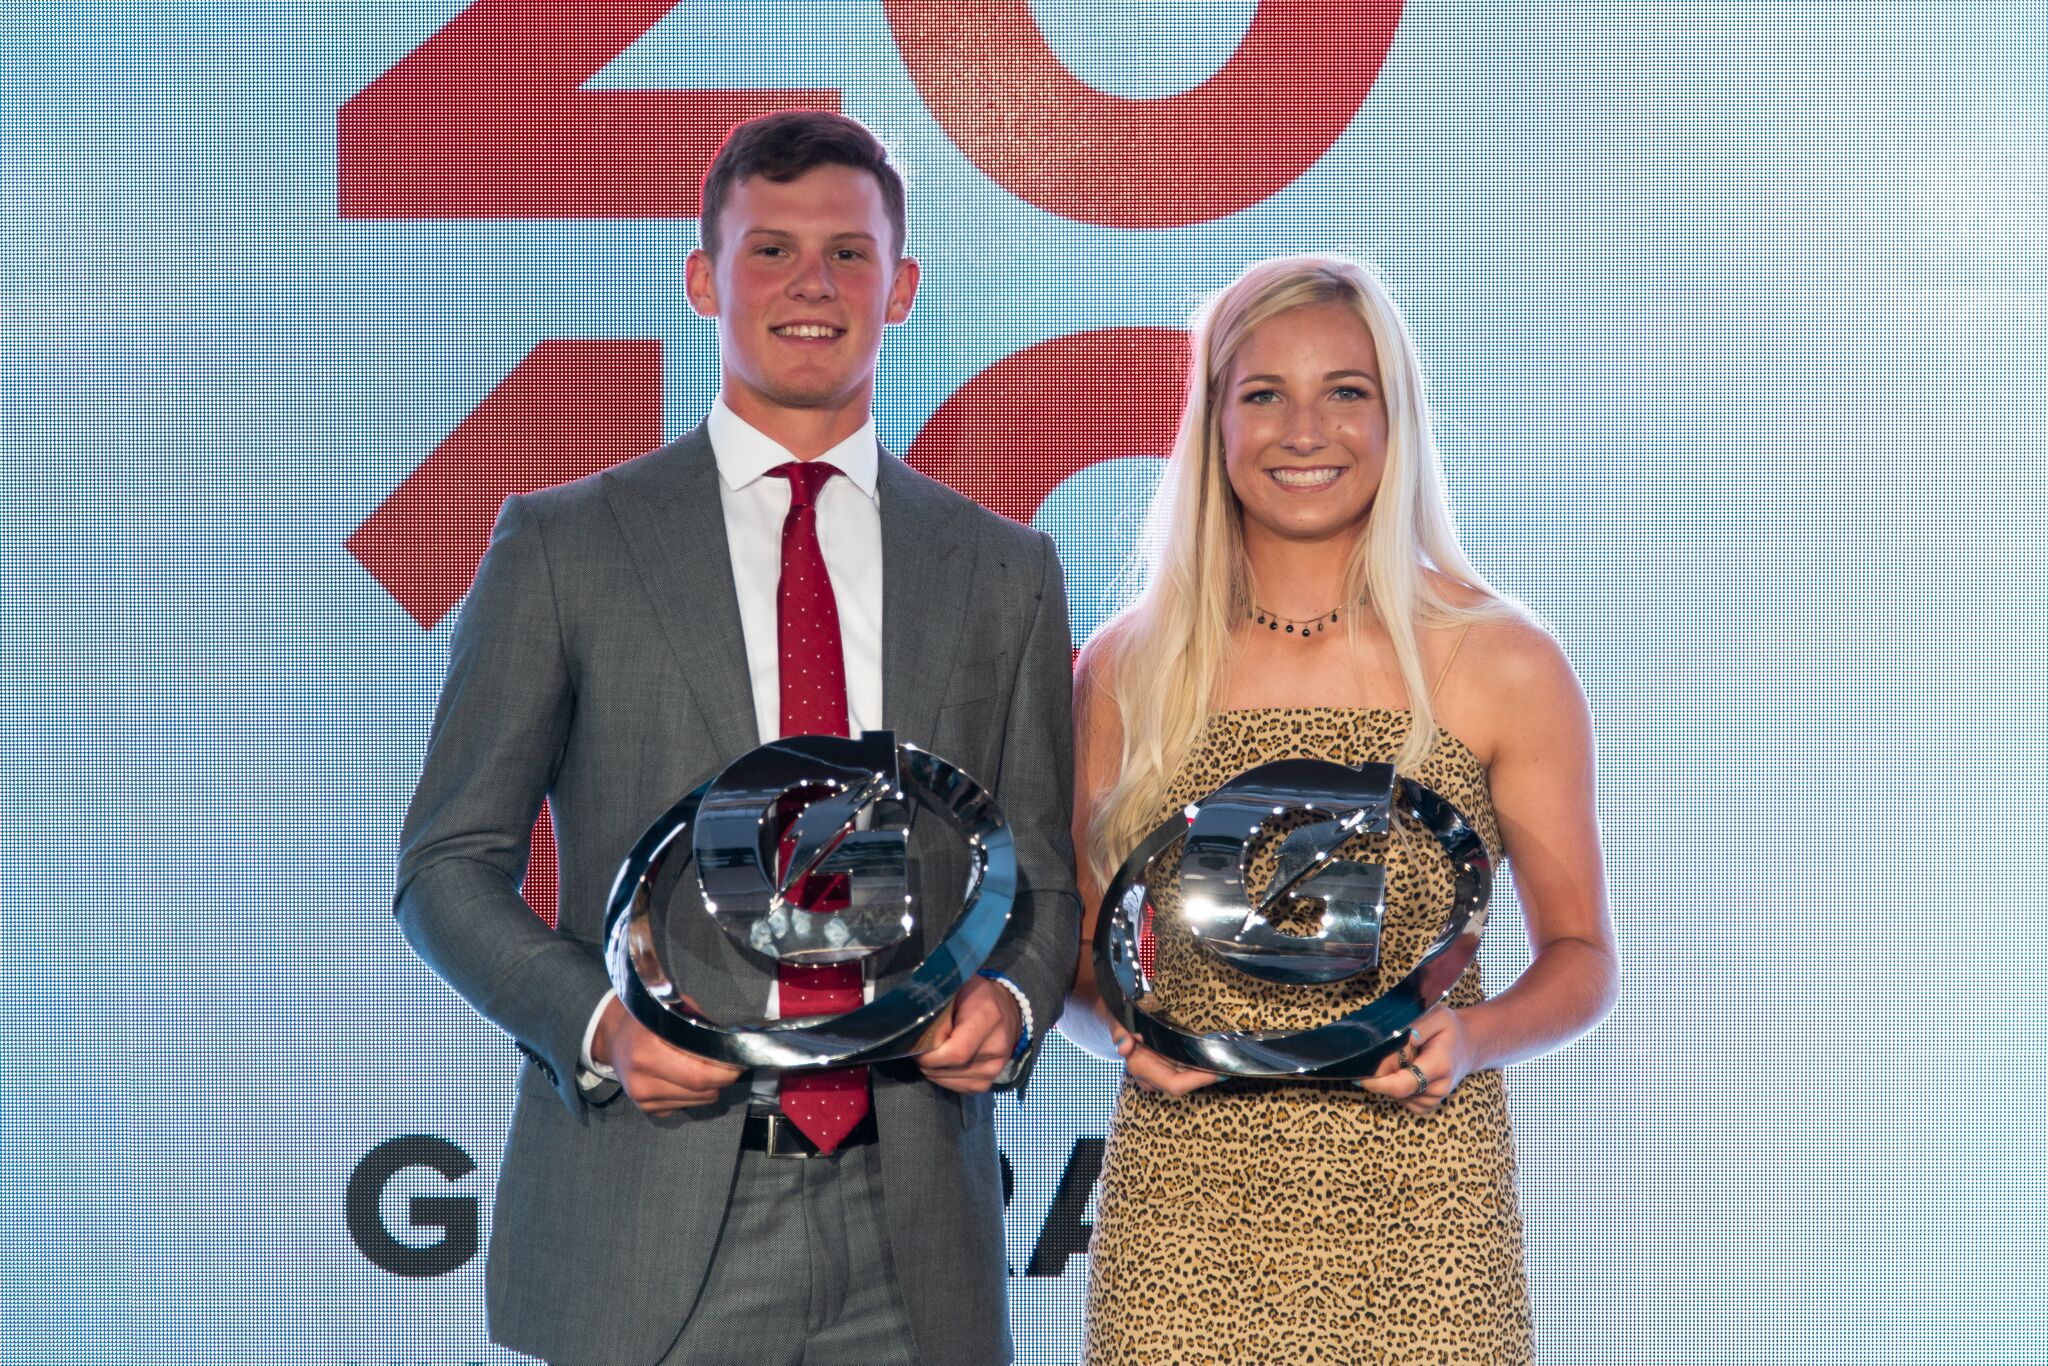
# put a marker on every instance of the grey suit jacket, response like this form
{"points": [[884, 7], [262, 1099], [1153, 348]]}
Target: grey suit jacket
{"points": [[598, 662]]}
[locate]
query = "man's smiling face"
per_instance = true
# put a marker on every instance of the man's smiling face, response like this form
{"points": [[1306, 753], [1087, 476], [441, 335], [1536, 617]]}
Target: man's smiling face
{"points": [[805, 278]]}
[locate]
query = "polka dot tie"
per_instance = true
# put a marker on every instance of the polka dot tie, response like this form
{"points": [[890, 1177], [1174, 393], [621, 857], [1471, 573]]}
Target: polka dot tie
{"points": [[825, 1105]]}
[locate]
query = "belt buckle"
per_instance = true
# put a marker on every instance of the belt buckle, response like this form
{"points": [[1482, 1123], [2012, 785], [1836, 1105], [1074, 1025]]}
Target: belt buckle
{"points": [[786, 1140]]}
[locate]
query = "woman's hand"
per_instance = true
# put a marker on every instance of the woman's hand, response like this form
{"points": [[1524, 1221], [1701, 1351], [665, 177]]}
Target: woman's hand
{"points": [[1437, 1056], [1152, 1072]]}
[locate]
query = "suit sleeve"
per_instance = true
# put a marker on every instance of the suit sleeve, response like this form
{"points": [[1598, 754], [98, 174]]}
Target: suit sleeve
{"points": [[497, 741], [1036, 789]]}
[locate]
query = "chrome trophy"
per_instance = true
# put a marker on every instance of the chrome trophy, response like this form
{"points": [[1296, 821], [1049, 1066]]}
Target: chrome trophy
{"points": [[854, 801], [1217, 837]]}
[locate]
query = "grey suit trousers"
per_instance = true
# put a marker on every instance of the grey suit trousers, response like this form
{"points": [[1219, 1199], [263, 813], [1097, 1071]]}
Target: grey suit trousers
{"points": [[803, 1275]]}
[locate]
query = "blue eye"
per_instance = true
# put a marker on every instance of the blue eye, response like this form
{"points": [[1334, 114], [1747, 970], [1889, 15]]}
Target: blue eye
{"points": [[1261, 395]]}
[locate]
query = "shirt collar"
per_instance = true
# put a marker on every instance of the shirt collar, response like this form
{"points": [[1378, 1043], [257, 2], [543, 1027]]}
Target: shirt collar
{"points": [[744, 453]]}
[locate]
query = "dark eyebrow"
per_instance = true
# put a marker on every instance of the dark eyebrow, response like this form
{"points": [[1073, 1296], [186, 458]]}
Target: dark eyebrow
{"points": [[786, 234]]}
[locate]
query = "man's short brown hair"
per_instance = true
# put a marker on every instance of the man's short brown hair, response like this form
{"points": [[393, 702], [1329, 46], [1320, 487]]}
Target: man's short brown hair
{"points": [[785, 145]]}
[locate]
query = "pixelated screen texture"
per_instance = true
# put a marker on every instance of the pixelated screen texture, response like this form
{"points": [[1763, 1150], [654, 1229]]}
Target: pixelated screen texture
{"points": [[1735, 323]]}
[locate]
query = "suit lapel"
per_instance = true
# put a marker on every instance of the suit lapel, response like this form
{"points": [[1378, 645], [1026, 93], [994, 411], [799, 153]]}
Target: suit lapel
{"points": [[926, 577], [673, 524], [672, 520]]}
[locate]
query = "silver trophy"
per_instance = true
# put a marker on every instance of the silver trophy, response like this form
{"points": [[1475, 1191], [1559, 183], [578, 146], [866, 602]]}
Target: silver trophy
{"points": [[1217, 836], [857, 800]]}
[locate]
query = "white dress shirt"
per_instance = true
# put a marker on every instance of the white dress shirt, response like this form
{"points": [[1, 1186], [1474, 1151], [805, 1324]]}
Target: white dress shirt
{"points": [[849, 534]]}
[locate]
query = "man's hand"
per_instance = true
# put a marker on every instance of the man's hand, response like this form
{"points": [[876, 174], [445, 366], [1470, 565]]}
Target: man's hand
{"points": [[978, 1046], [660, 1078]]}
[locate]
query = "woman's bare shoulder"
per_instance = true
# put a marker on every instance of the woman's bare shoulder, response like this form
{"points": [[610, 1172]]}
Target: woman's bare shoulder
{"points": [[1462, 595], [1524, 686], [1508, 673], [1095, 663], [1487, 626], [1098, 722]]}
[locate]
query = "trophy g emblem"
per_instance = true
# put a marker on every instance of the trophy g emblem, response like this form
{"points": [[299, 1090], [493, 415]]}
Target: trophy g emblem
{"points": [[1217, 836], [734, 824]]}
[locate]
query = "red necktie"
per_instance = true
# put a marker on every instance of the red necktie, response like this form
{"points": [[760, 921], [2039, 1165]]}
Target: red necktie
{"points": [[825, 1106]]}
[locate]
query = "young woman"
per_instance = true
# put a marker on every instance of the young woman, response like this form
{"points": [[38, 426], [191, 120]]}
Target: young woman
{"points": [[1308, 598]]}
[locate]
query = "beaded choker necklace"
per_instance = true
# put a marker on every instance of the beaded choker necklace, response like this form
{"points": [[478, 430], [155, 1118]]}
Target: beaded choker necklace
{"points": [[1301, 626]]}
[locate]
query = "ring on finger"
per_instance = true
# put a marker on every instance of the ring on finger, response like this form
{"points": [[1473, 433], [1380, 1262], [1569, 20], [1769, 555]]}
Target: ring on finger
{"points": [[1421, 1079]]}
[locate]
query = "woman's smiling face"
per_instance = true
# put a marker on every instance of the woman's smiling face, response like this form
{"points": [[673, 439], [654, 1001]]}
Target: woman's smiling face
{"points": [[1304, 425]]}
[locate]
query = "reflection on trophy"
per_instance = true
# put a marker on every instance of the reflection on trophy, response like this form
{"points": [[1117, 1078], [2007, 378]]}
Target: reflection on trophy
{"points": [[778, 823], [1318, 807]]}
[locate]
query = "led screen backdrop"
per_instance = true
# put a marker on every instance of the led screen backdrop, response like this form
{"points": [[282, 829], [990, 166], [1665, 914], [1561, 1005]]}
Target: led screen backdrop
{"points": [[1736, 322]]}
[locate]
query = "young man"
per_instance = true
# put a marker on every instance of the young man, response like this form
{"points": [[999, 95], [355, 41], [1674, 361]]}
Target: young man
{"points": [[771, 573]]}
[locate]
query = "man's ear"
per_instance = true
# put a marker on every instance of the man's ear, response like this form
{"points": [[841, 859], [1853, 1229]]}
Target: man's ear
{"points": [[902, 290], [701, 284]]}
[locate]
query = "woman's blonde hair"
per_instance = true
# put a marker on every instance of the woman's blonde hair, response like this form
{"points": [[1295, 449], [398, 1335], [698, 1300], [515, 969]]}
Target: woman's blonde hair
{"points": [[1162, 658]]}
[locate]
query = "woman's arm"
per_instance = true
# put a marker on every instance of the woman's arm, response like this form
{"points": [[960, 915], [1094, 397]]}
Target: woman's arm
{"points": [[1098, 749], [1098, 742], [1528, 704]]}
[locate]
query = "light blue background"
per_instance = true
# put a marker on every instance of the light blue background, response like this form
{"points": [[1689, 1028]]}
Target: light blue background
{"points": [[1736, 319]]}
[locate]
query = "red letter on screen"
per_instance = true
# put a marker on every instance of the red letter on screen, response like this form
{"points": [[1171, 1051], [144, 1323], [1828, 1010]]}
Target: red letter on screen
{"points": [[569, 409], [1014, 108], [1016, 431], [488, 119]]}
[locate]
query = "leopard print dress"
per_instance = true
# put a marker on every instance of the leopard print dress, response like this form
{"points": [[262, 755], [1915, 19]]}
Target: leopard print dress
{"points": [[1310, 1222]]}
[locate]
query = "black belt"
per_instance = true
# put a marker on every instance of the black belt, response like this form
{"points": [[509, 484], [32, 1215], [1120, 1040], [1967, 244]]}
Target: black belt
{"points": [[776, 1136]]}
